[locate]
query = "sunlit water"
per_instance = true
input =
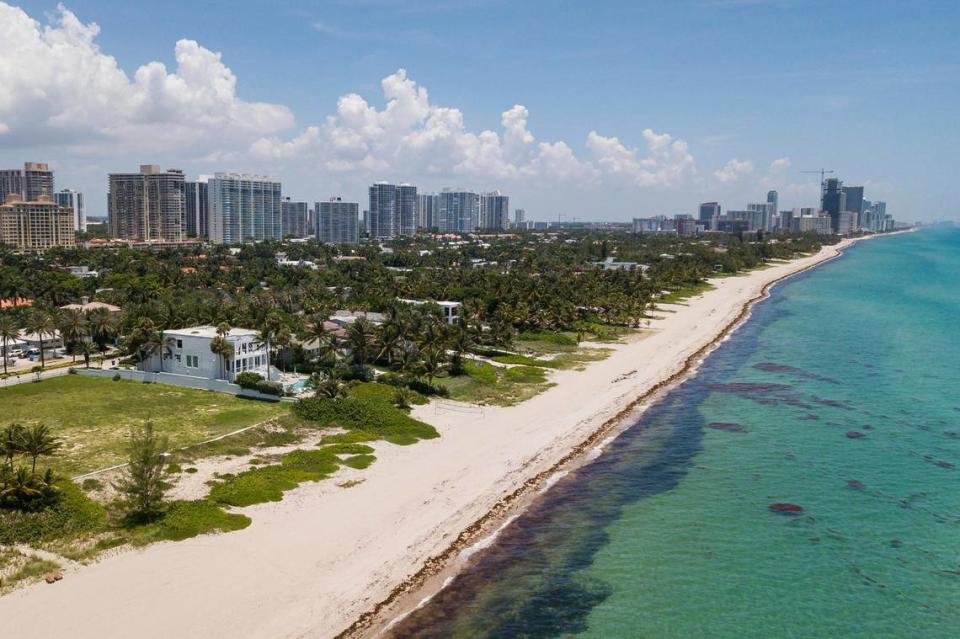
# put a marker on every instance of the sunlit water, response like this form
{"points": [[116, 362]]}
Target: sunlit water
{"points": [[842, 396]]}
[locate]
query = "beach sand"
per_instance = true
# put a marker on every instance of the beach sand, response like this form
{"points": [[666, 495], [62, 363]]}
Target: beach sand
{"points": [[312, 564]]}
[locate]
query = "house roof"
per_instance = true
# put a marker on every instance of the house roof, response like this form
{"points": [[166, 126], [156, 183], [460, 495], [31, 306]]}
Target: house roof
{"points": [[209, 332], [90, 306]]}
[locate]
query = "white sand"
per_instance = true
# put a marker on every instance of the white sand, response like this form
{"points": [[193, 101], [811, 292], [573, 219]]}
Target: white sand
{"points": [[311, 564]]}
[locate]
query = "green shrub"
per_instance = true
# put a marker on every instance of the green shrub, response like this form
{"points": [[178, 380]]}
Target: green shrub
{"points": [[174, 467], [73, 514], [375, 419], [350, 449], [525, 375], [185, 519], [248, 379], [190, 470], [359, 461], [543, 336], [116, 377], [91, 483], [268, 483], [270, 388]]}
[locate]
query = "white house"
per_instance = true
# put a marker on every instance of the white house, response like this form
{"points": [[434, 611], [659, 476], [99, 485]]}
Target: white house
{"points": [[187, 352], [451, 310]]}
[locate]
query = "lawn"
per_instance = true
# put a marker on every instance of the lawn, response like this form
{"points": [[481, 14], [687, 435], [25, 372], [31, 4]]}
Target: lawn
{"points": [[94, 415], [486, 384]]}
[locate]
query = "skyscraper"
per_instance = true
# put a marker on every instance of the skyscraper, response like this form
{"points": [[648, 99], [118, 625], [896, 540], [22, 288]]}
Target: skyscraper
{"points": [[36, 225], [458, 211], [149, 205], [519, 217], [427, 210], [393, 210], [295, 218], [833, 200], [853, 199], [31, 183], [494, 210], [74, 201], [773, 203], [198, 216], [244, 208], [710, 215], [338, 222]]}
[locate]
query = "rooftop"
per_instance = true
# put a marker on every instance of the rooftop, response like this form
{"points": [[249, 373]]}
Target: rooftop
{"points": [[209, 332]]}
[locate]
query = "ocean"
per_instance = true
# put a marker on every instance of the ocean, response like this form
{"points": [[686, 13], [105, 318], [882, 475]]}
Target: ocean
{"points": [[804, 483]]}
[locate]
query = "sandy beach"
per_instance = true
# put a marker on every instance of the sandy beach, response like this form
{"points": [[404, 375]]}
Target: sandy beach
{"points": [[314, 563]]}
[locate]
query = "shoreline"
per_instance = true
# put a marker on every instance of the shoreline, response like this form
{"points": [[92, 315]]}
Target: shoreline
{"points": [[415, 590], [326, 561]]}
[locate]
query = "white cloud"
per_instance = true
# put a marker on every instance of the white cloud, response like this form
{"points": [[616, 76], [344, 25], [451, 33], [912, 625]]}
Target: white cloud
{"points": [[667, 162], [780, 164], [59, 87], [734, 170]]}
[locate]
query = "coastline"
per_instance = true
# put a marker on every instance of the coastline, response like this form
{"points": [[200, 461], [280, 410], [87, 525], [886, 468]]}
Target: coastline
{"points": [[326, 560]]}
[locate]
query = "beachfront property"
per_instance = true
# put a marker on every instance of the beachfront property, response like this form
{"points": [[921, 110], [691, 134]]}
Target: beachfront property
{"points": [[450, 310], [187, 352], [86, 306], [344, 318], [611, 264]]}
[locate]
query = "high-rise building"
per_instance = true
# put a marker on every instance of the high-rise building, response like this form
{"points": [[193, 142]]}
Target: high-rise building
{"points": [[35, 226], [295, 218], [458, 211], [519, 217], [427, 210], [773, 203], [710, 215], [853, 201], [244, 208], [149, 205], [197, 215], [393, 210], [338, 222], [74, 201], [494, 211], [32, 183], [833, 200]]}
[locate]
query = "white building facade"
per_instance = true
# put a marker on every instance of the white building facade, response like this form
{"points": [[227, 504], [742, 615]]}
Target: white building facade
{"points": [[187, 352]]}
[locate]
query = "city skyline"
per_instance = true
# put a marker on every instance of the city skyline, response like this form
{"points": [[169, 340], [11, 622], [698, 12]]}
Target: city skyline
{"points": [[666, 141]]}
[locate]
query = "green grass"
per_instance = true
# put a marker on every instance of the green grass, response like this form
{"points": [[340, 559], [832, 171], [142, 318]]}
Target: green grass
{"points": [[268, 483], [186, 519], [365, 419], [486, 384], [681, 294], [359, 461], [27, 568], [94, 416], [382, 392], [556, 339]]}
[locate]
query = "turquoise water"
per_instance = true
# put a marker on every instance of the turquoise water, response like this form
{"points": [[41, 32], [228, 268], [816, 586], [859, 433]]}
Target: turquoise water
{"points": [[840, 396]]}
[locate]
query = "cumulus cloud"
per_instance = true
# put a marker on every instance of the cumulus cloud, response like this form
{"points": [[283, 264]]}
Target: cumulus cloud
{"points": [[780, 164], [733, 170], [58, 86], [60, 89]]}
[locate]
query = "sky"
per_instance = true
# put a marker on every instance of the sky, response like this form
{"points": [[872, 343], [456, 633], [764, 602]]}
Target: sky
{"points": [[576, 110]]}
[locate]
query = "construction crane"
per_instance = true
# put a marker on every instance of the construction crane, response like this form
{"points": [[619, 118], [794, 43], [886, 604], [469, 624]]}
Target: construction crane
{"points": [[823, 173]]}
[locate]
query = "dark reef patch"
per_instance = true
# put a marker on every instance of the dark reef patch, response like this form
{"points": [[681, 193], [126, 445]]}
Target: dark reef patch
{"points": [[855, 434], [785, 507], [773, 367], [730, 427]]}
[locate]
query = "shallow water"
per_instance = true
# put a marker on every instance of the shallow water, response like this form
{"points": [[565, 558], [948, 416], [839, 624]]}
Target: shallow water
{"points": [[840, 396]]}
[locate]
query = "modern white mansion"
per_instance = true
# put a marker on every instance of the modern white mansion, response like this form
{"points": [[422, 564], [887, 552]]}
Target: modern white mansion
{"points": [[187, 352]]}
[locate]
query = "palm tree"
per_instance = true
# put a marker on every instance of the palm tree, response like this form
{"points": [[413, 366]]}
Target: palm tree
{"points": [[223, 348], [103, 328], [74, 328], [37, 441], [267, 332], [86, 349], [359, 340], [11, 442], [327, 386], [41, 323], [9, 331]]}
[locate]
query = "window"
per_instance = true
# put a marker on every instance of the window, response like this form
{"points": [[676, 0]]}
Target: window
{"points": [[193, 361], [177, 357], [179, 343]]}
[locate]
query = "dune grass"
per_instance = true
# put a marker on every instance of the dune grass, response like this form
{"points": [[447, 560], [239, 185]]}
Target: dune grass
{"points": [[483, 383], [94, 416]]}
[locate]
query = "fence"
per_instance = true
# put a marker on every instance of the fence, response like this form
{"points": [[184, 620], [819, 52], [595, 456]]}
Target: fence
{"points": [[200, 383]]}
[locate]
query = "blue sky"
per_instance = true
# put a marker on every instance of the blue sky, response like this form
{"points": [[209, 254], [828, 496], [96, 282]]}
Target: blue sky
{"points": [[870, 89]]}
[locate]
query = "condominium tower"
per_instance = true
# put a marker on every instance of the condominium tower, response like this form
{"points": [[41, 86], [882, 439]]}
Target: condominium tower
{"points": [[31, 183], [197, 213], [494, 211], [393, 210], [295, 218], [36, 225], [338, 221], [74, 201], [244, 208], [458, 211], [147, 206]]}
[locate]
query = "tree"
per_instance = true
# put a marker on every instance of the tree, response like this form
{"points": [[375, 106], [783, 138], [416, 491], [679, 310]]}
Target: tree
{"points": [[11, 442], [38, 441], [74, 329], [402, 397], [86, 349], [143, 482], [41, 323], [9, 332], [327, 386], [103, 328], [223, 348], [360, 341]]}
